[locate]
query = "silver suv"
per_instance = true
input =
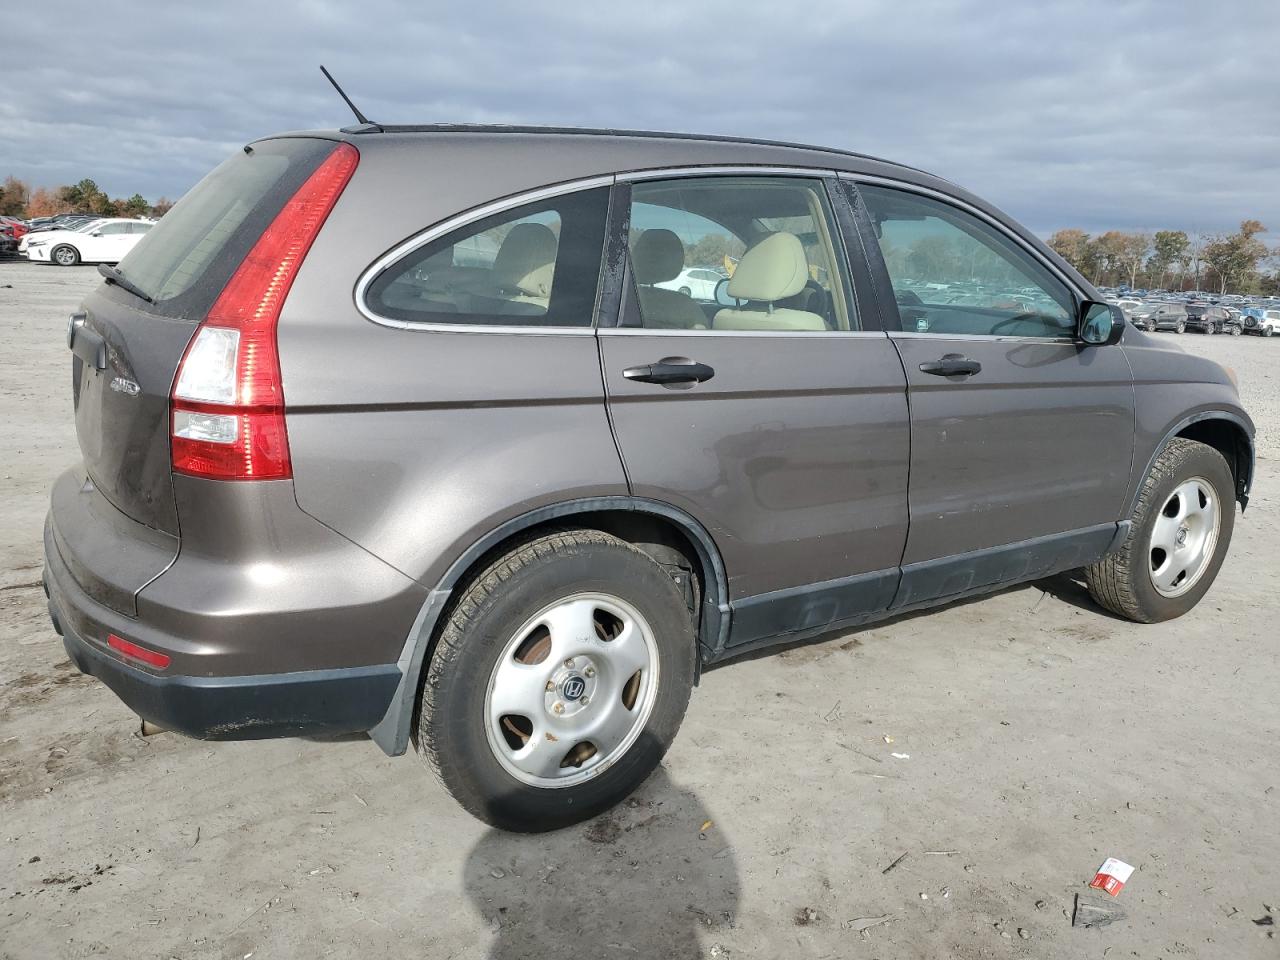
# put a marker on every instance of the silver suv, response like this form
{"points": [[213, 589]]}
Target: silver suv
{"points": [[405, 430]]}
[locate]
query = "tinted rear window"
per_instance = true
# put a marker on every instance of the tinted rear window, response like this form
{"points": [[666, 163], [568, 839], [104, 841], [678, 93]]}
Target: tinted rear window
{"points": [[186, 259]]}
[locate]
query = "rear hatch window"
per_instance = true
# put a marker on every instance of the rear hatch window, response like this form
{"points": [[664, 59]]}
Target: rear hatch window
{"points": [[186, 260], [182, 264]]}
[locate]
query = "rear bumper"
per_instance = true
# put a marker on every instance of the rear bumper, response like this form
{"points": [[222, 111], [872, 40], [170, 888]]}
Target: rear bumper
{"points": [[272, 624], [333, 701], [245, 708]]}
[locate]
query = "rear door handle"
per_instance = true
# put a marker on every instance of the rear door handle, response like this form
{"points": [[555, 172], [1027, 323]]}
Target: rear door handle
{"points": [[670, 370], [952, 365]]}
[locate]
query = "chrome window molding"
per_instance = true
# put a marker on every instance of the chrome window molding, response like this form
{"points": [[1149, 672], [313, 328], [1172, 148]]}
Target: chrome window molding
{"points": [[969, 208], [448, 226], [738, 170], [680, 332], [744, 170], [979, 337]]}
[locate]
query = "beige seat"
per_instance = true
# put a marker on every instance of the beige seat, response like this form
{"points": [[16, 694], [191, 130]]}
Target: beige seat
{"points": [[523, 269], [774, 269], [656, 257]]}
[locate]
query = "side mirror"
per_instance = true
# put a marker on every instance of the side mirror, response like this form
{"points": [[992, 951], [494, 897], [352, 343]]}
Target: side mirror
{"points": [[722, 293], [1100, 324], [96, 233]]}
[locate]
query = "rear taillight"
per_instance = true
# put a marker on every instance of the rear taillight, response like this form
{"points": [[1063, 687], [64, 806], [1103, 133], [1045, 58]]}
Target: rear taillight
{"points": [[227, 406]]}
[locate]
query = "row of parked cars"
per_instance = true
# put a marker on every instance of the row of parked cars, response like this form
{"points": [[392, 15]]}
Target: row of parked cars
{"points": [[1201, 314], [70, 239]]}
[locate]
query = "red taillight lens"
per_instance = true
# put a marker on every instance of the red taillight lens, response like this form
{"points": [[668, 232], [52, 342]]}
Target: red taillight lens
{"points": [[227, 407], [134, 652]]}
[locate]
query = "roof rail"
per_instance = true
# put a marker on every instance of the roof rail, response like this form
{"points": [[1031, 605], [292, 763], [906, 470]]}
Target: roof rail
{"points": [[611, 132]]}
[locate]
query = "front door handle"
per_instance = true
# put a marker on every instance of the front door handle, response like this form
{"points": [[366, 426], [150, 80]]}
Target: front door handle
{"points": [[670, 370], [952, 365]]}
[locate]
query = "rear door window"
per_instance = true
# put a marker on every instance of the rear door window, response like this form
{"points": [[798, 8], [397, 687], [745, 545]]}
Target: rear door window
{"points": [[185, 259], [772, 238], [536, 265]]}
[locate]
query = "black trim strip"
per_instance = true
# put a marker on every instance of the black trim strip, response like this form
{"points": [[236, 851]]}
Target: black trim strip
{"points": [[392, 732], [949, 578], [1244, 481], [247, 707], [811, 608]]}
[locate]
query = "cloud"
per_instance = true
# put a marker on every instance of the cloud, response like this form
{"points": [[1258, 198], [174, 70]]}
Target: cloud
{"points": [[1099, 114]]}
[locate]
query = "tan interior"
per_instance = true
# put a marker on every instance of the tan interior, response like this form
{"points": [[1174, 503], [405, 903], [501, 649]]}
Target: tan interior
{"points": [[658, 256], [774, 269]]}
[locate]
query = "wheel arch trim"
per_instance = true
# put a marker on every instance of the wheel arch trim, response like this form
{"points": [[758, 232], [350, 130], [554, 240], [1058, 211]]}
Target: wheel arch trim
{"points": [[1243, 471], [392, 732]]}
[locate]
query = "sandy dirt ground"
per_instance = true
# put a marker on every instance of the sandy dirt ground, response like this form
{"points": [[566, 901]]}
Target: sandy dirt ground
{"points": [[1040, 736]]}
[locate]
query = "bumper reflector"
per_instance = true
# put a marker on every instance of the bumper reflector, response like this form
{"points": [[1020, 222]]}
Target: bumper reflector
{"points": [[134, 652]]}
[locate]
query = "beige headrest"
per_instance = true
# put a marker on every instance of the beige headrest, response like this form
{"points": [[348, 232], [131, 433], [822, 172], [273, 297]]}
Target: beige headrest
{"points": [[657, 256], [774, 269], [526, 259]]}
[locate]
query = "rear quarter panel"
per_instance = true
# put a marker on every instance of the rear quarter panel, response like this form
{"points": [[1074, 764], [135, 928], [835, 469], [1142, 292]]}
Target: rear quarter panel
{"points": [[413, 443]]}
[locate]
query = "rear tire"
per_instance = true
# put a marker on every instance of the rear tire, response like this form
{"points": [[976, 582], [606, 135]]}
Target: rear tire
{"points": [[65, 255], [1125, 582], [1266, 331], [1236, 330], [527, 690], [1180, 327], [686, 291]]}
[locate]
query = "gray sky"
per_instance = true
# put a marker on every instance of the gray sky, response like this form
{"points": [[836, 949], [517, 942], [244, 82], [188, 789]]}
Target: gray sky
{"points": [[1095, 113]]}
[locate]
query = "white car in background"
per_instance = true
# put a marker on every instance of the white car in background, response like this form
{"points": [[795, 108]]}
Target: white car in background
{"points": [[697, 282], [102, 241]]}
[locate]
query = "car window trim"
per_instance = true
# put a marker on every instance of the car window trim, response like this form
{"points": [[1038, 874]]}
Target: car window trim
{"points": [[456, 222], [611, 323], [1077, 293]]}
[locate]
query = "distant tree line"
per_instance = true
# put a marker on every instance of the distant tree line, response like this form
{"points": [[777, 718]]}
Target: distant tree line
{"points": [[18, 199], [1175, 260]]}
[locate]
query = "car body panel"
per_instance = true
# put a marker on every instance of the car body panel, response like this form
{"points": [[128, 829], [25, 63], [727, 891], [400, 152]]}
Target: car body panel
{"points": [[1038, 442], [794, 455], [417, 451], [1172, 389]]}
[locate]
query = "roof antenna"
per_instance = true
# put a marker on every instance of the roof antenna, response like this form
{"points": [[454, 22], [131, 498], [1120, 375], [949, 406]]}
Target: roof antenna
{"points": [[364, 121]]}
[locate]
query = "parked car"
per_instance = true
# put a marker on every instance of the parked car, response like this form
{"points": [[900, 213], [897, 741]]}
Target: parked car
{"points": [[335, 479], [1160, 315], [64, 221], [696, 282], [1207, 318], [12, 230], [1263, 321], [100, 241]]}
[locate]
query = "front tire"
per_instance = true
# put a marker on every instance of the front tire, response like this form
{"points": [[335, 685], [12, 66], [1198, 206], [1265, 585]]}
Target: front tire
{"points": [[558, 682], [1179, 535], [65, 255], [1236, 330], [1267, 331]]}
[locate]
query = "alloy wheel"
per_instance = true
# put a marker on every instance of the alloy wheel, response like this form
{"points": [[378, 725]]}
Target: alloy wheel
{"points": [[1183, 537], [572, 690]]}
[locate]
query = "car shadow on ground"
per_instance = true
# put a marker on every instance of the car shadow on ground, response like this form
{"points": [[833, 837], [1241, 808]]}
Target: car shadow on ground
{"points": [[652, 877], [1068, 588]]}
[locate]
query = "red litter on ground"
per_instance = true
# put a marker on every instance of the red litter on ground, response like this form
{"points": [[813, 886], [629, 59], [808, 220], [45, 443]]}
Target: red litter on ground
{"points": [[1111, 876]]}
